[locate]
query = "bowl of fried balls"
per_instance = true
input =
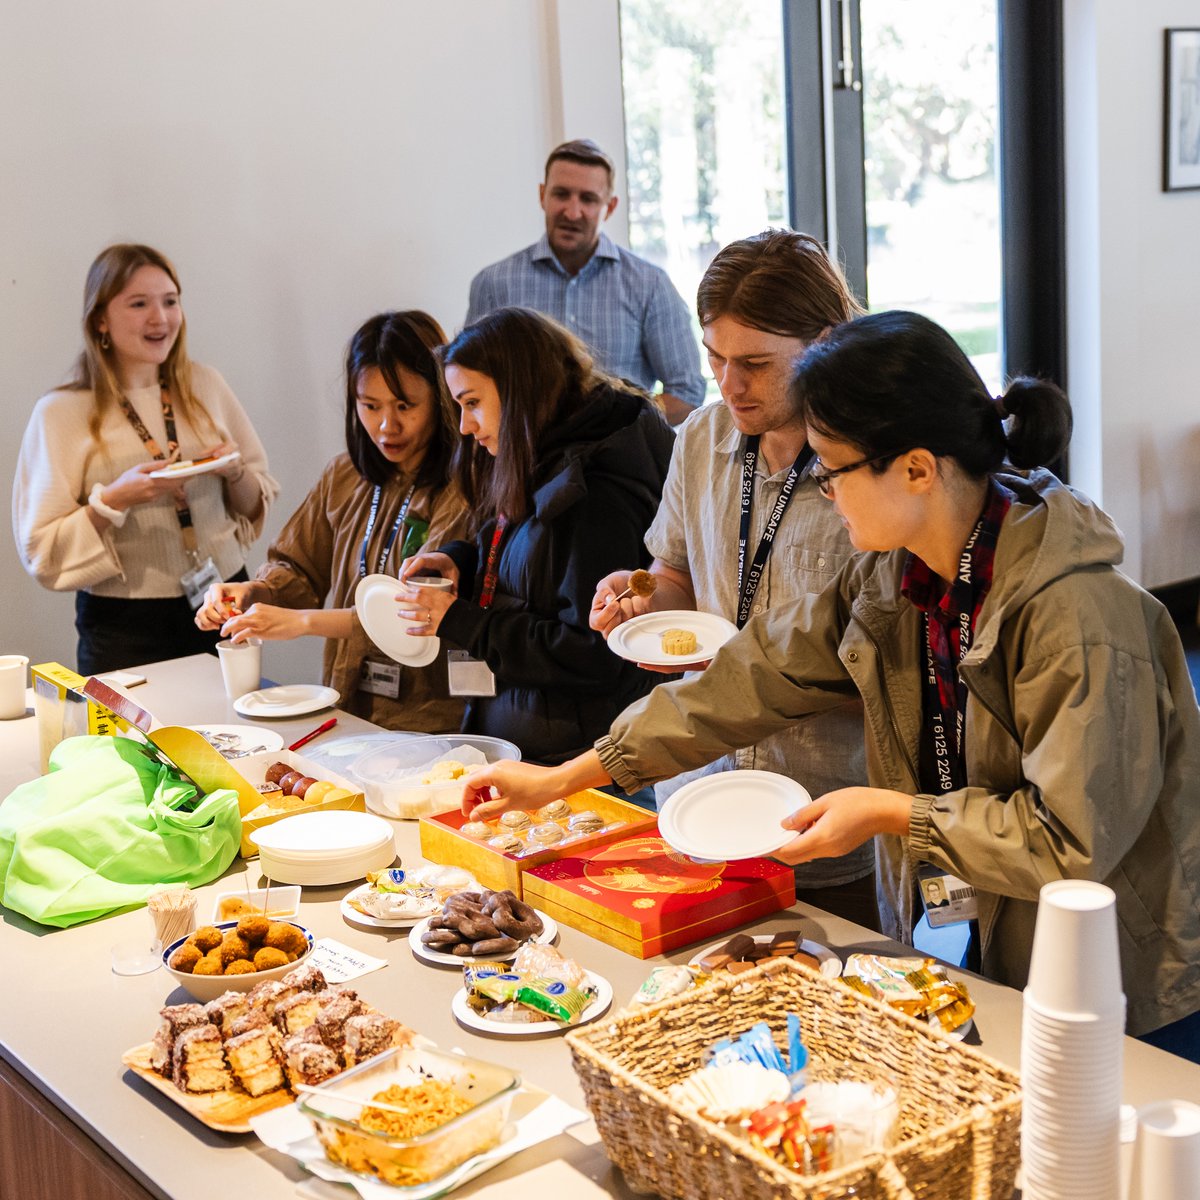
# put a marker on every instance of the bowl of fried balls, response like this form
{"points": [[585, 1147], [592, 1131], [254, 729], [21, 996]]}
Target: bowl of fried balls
{"points": [[233, 956]]}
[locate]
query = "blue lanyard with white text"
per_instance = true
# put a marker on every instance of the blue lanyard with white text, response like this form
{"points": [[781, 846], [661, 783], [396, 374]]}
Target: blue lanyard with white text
{"points": [[387, 549], [748, 581]]}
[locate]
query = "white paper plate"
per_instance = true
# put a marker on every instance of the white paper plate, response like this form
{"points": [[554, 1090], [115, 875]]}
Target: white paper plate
{"points": [[351, 914], [187, 468], [378, 611], [320, 836], [731, 815], [240, 739], [831, 965], [640, 639], [330, 872], [598, 1007], [548, 934], [289, 700]]}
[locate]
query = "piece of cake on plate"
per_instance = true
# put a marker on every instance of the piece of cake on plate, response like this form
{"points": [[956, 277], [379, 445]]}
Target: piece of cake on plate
{"points": [[252, 1060], [308, 1060], [198, 1061], [173, 1021], [297, 1012], [368, 1034]]}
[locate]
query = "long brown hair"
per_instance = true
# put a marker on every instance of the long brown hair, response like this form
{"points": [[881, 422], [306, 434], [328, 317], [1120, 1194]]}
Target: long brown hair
{"points": [[778, 281], [95, 369], [536, 365]]}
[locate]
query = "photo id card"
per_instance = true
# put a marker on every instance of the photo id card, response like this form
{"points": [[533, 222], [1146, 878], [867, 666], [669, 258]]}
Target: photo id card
{"points": [[380, 678], [198, 580], [469, 676], [948, 900]]}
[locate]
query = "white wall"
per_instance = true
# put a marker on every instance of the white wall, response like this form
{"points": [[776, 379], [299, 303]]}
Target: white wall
{"points": [[1133, 288], [305, 164]]}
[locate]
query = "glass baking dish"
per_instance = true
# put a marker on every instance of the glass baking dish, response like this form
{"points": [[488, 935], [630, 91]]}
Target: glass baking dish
{"points": [[335, 1107]]}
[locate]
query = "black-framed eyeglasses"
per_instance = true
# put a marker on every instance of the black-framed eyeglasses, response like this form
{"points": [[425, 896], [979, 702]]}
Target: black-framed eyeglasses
{"points": [[823, 478]]}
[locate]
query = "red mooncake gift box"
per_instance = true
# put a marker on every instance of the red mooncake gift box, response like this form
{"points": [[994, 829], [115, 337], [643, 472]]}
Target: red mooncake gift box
{"points": [[643, 897]]}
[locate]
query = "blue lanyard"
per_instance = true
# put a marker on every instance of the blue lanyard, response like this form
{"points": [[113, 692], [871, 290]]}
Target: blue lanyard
{"points": [[748, 581], [391, 541]]}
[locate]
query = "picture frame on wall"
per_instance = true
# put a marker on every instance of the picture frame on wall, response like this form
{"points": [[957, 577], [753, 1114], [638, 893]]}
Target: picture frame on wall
{"points": [[1181, 110]]}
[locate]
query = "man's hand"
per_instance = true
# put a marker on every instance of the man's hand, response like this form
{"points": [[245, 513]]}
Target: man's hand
{"points": [[842, 821]]}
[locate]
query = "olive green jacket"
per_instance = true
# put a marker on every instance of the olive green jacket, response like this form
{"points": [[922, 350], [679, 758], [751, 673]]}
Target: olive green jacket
{"points": [[1082, 737]]}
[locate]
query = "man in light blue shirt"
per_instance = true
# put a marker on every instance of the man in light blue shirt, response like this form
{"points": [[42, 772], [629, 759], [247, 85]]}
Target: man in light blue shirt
{"points": [[625, 308]]}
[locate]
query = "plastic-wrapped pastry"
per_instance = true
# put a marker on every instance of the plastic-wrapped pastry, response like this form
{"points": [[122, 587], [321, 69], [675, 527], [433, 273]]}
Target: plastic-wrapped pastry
{"points": [[546, 834], [516, 819], [479, 830], [506, 843], [554, 811], [537, 960], [585, 822]]}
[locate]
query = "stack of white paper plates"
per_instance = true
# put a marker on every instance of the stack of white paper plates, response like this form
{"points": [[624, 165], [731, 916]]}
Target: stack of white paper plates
{"points": [[317, 849]]}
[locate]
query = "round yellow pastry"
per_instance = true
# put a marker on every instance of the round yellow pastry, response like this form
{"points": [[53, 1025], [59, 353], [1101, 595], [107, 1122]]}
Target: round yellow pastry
{"points": [[678, 641]]}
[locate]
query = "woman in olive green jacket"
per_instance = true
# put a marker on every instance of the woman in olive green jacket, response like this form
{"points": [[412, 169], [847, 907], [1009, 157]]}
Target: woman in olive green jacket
{"points": [[989, 593]]}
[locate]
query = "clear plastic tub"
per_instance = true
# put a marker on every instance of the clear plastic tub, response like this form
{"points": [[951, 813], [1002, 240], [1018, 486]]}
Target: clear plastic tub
{"points": [[335, 1110], [391, 775]]}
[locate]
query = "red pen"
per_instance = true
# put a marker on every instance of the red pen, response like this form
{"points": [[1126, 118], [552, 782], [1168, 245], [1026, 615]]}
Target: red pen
{"points": [[308, 737]]}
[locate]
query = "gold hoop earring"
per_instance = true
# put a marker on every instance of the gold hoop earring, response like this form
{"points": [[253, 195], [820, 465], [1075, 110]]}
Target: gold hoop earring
{"points": [[105, 341]]}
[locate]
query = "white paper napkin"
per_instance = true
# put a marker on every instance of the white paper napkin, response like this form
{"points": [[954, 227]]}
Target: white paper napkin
{"points": [[339, 962], [538, 1116]]}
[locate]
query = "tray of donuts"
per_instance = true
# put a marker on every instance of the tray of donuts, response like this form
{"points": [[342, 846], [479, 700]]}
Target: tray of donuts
{"points": [[286, 783], [498, 852]]}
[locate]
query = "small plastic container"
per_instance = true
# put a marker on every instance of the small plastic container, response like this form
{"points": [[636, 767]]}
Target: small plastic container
{"points": [[388, 772], [335, 1107]]}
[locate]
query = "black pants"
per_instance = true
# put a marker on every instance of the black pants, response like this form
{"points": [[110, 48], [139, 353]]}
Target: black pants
{"points": [[115, 633]]}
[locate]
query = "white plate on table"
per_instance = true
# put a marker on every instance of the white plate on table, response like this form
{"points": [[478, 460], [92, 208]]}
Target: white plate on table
{"points": [[831, 965], [187, 467], [731, 815], [640, 639], [379, 613], [351, 914], [598, 1007], [441, 959], [240, 739], [288, 700]]}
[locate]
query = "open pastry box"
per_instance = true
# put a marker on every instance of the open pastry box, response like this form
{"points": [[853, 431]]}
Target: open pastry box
{"points": [[443, 841], [210, 770]]}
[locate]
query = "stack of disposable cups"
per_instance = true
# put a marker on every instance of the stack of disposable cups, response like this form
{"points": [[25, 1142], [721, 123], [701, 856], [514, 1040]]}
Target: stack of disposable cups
{"points": [[1071, 1041]]}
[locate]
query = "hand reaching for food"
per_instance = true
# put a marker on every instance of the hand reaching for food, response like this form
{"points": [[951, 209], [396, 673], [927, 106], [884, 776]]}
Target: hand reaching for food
{"points": [[222, 601]]}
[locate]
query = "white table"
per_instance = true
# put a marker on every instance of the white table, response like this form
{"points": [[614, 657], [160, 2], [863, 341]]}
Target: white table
{"points": [[65, 1018]]}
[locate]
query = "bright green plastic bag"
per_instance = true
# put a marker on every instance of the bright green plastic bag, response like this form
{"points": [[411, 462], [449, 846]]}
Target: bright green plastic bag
{"points": [[105, 828]]}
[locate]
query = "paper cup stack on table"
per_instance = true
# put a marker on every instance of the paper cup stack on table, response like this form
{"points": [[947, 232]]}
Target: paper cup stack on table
{"points": [[1071, 1046]]}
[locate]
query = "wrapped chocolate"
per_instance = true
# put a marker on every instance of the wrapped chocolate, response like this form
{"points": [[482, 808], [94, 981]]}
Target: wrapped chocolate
{"points": [[920, 987], [553, 998], [665, 982]]}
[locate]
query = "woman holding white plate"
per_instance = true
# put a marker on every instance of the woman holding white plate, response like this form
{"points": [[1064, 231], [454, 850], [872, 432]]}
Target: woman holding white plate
{"points": [[109, 500], [1029, 713], [374, 505], [565, 468]]}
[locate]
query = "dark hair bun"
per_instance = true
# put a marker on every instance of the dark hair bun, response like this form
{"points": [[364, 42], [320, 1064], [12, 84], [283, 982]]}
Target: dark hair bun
{"points": [[1040, 425]]}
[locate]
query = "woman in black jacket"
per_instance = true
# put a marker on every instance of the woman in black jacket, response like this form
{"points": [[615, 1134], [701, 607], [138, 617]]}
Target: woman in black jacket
{"points": [[564, 468]]}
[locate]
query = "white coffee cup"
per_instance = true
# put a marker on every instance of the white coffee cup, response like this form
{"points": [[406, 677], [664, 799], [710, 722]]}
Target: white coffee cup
{"points": [[1166, 1156], [12, 686], [1074, 967], [429, 581], [241, 666]]}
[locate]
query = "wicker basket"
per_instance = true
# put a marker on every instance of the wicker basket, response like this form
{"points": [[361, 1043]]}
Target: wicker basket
{"points": [[960, 1112]]}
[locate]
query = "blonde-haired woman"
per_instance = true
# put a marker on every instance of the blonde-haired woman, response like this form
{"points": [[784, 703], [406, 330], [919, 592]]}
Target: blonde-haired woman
{"points": [[90, 516]]}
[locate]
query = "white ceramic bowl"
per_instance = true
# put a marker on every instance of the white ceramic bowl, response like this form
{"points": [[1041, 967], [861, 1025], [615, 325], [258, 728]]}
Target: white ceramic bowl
{"points": [[208, 987]]}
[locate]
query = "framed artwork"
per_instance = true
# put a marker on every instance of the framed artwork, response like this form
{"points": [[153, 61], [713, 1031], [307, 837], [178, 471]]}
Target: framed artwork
{"points": [[1181, 110]]}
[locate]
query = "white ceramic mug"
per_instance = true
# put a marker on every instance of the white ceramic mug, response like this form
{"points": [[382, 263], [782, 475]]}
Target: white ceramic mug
{"points": [[12, 686], [241, 666]]}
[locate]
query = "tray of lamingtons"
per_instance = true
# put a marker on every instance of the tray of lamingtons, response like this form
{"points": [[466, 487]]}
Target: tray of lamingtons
{"points": [[243, 1053]]}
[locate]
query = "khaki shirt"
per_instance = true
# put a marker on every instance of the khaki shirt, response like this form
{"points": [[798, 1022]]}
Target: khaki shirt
{"points": [[317, 555], [696, 530]]}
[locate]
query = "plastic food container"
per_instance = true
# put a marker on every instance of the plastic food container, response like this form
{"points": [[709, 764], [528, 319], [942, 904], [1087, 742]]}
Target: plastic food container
{"points": [[390, 774], [335, 1109]]}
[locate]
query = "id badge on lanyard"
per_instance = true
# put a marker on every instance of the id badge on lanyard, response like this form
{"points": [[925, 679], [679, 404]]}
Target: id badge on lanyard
{"points": [[198, 580], [471, 676]]}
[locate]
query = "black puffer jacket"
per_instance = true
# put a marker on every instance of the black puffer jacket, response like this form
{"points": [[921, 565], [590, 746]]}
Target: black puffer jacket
{"points": [[599, 480]]}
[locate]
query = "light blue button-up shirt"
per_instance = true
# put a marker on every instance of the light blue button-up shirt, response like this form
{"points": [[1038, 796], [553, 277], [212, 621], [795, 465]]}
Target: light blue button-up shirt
{"points": [[625, 308]]}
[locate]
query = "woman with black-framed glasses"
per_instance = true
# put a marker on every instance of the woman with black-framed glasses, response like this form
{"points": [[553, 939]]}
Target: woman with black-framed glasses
{"points": [[1029, 713]]}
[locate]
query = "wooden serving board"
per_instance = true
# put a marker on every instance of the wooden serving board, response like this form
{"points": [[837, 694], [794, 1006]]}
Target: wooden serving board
{"points": [[226, 1112]]}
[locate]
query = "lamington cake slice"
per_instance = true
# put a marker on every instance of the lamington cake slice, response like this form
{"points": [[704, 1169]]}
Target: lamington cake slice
{"points": [[336, 1009], [253, 1063], [198, 1061], [226, 1009], [306, 978], [308, 1060], [368, 1034], [297, 1012], [173, 1021]]}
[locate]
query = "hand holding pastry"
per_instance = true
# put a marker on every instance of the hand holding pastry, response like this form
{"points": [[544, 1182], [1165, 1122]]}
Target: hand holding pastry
{"points": [[503, 786], [620, 597], [222, 601], [233, 471]]}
